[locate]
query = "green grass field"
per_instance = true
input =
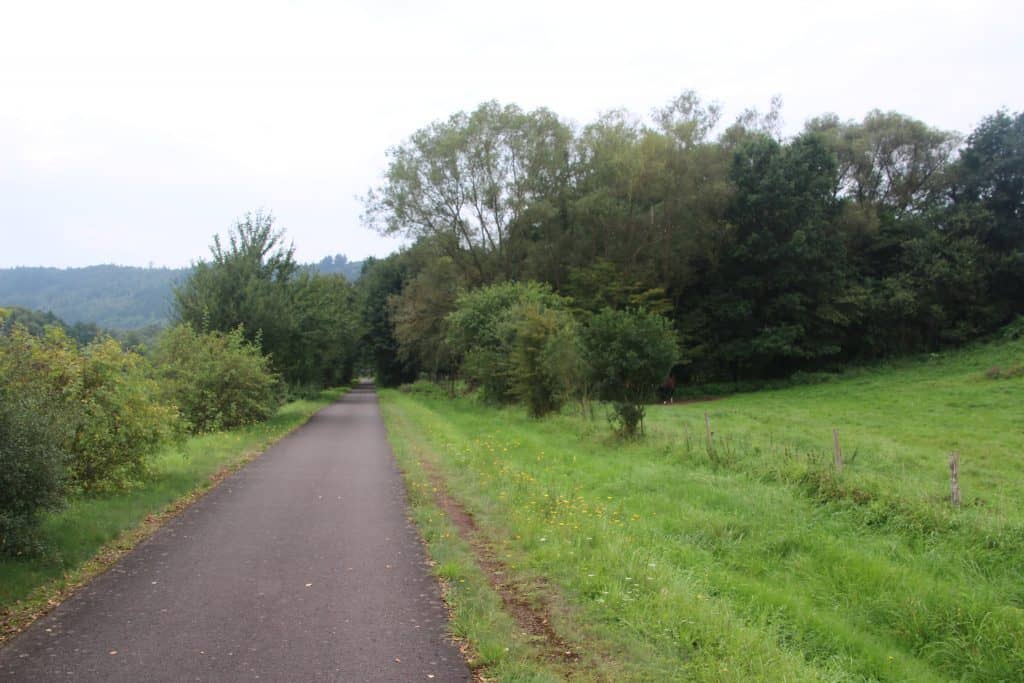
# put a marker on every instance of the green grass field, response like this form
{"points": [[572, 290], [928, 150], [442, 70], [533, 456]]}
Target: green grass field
{"points": [[88, 525], [752, 559]]}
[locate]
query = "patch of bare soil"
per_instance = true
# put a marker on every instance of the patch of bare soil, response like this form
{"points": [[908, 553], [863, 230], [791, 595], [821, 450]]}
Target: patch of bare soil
{"points": [[532, 619]]}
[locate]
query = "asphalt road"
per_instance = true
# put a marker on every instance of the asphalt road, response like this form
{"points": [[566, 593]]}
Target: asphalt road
{"points": [[301, 567]]}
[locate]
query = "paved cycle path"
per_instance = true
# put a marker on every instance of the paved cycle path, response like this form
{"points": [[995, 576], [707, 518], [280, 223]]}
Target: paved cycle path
{"points": [[301, 567]]}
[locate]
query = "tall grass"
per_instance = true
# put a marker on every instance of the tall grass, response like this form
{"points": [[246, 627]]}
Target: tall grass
{"points": [[754, 560]]}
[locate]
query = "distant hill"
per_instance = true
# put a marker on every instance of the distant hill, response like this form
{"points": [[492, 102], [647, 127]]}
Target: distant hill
{"points": [[114, 297]]}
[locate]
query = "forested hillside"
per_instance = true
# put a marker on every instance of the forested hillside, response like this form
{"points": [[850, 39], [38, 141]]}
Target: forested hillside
{"points": [[114, 297]]}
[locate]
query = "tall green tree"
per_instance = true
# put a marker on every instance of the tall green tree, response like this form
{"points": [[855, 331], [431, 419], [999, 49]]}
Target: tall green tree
{"points": [[776, 301], [247, 282], [468, 180], [306, 322], [380, 281]]}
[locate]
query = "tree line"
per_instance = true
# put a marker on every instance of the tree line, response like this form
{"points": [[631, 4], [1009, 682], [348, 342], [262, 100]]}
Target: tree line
{"points": [[850, 241]]}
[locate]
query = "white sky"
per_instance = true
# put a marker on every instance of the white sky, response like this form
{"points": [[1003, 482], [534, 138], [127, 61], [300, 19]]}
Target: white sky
{"points": [[131, 132]]}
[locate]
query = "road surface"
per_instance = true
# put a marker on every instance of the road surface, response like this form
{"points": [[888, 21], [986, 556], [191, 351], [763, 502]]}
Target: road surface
{"points": [[301, 567]]}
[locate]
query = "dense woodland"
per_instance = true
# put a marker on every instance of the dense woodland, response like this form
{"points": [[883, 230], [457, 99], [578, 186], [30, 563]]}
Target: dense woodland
{"points": [[851, 241]]}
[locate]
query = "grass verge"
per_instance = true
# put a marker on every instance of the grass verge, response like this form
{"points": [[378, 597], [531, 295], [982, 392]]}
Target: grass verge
{"points": [[93, 532], [753, 559], [495, 645]]}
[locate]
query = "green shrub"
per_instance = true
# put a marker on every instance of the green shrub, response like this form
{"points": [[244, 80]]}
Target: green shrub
{"points": [[102, 393], [544, 359], [121, 418], [217, 380], [1015, 329], [32, 465], [628, 353], [424, 388], [482, 328]]}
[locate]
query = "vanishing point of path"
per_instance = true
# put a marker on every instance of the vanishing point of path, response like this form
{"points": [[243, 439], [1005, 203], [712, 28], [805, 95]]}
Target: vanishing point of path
{"points": [[301, 567]]}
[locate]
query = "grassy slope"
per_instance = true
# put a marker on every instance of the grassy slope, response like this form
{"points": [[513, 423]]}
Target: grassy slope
{"points": [[88, 526], [754, 560]]}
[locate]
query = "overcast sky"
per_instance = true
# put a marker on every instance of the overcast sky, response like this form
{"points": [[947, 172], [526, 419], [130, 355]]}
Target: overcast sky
{"points": [[132, 132]]}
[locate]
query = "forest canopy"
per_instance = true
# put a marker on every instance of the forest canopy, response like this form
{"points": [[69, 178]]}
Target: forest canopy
{"points": [[769, 255]]}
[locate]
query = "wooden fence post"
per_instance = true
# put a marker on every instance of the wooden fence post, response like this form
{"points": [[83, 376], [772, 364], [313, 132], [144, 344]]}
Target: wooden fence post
{"points": [[707, 429], [954, 477], [838, 450]]}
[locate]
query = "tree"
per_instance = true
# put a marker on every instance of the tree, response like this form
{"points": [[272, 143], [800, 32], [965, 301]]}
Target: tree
{"points": [[628, 353], [325, 338], [419, 313], [247, 283], [989, 192], [380, 281], [777, 298], [469, 180], [122, 420], [306, 322], [33, 463]]}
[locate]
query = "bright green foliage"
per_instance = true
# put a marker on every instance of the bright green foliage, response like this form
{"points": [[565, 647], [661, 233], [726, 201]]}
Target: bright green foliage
{"points": [[218, 380], [628, 353], [482, 328], [32, 464], [545, 364], [103, 393], [121, 420]]}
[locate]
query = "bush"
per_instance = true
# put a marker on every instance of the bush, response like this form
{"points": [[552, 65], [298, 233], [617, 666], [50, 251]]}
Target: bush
{"points": [[121, 420], [482, 328], [217, 380], [32, 466], [1015, 329], [102, 393], [544, 360], [425, 388], [628, 353]]}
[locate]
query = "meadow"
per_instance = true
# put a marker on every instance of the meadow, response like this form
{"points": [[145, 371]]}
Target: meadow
{"points": [[91, 532], [750, 557]]}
